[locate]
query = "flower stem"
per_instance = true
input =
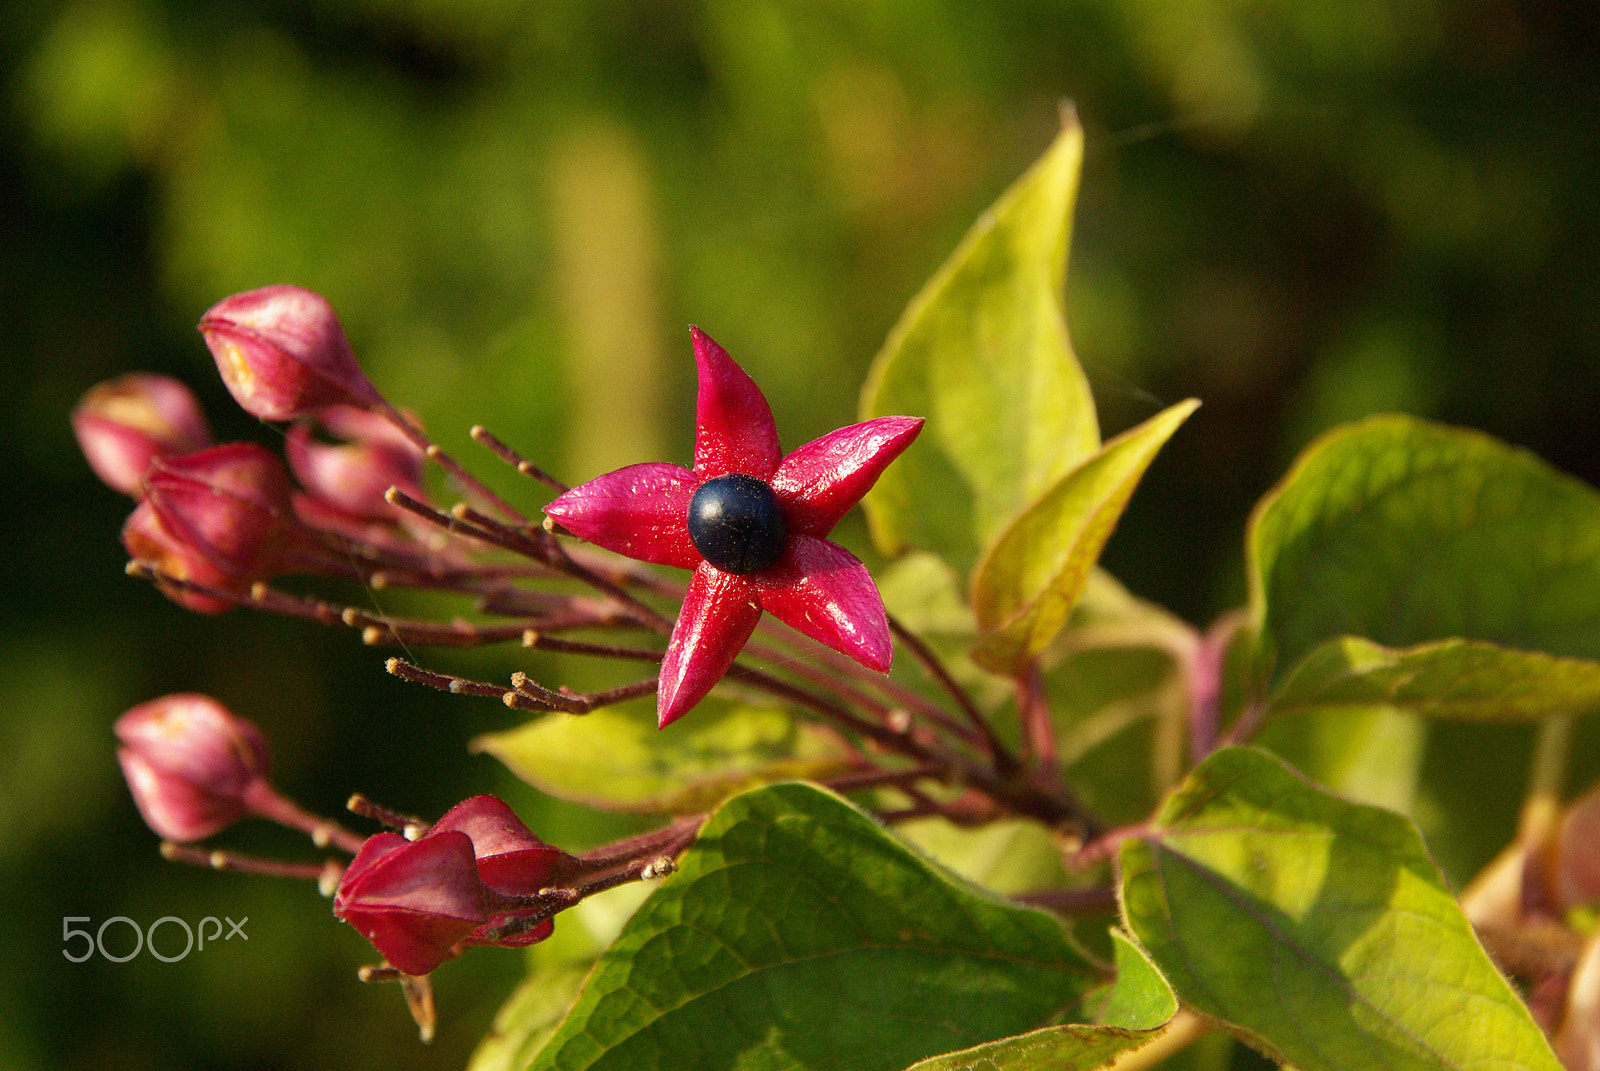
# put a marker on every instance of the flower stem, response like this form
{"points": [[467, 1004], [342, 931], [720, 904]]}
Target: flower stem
{"points": [[1541, 807], [1004, 760], [446, 462], [265, 801]]}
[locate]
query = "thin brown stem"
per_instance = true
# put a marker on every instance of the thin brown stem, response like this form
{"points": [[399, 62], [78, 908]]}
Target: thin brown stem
{"points": [[529, 695], [1038, 730], [483, 437], [446, 682], [668, 840], [831, 677], [1004, 760], [1055, 808], [1073, 902], [460, 525], [641, 612], [446, 462], [264, 801], [403, 823], [324, 874], [380, 630], [537, 639]]}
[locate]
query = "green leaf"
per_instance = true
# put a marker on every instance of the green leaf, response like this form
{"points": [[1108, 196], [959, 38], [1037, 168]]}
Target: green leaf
{"points": [[528, 1018], [1367, 754], [1445, 679], [1140, 1004], [1029, 580], [1403, 532], [798, 933], [616, 759], [982, 352], [1008, 856], [1317, 928]]}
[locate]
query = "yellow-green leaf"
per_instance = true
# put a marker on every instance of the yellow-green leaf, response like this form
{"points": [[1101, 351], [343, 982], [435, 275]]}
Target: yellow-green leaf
{"points": [[982, 352], [1447, 679], [617, 760], [1028, 582]]}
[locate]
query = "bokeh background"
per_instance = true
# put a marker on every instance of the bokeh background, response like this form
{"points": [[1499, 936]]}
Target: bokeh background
{"points": [[1300, 212]]}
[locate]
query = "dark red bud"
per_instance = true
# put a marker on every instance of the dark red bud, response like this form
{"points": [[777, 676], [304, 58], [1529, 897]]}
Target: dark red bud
{"points": [[148, 541], [283, 354], [414, 900], [229, 504], [511, 861], [121, 425]]}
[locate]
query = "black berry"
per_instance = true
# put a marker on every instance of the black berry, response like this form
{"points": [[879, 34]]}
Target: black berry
{"points": [[736, 522]]}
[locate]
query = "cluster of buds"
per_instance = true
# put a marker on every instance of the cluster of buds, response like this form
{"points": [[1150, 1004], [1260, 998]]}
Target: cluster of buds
{"points": [[421, 895], [219, 526]]}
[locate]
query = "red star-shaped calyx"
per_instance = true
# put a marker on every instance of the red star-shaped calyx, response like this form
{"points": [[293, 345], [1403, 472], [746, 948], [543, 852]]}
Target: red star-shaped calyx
{"points": [[771, 555]]}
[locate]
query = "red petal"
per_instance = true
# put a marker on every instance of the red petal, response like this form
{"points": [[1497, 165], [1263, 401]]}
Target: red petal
{"points": [[719, 613], [734, 430], [821, 481], [823, 591], [640, 512]]}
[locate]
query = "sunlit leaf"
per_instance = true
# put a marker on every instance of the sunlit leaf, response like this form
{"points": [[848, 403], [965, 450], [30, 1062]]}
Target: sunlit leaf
{"points": [[1139, 1005], [1012, 855], [1446, 679], [1404, 532], [1028, 581], [982, 352], [616, 759], [798, 933], [1317, 928]]}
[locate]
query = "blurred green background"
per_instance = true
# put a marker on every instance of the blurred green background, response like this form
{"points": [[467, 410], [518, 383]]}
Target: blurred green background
{"points": [[1300, 212]]}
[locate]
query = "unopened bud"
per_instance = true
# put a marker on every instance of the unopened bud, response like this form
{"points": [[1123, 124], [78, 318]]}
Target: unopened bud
{"points": [[229, 504], [282, 353], [148, 541], [414, 900], [191, 764], [122, 424], [354, 476]]}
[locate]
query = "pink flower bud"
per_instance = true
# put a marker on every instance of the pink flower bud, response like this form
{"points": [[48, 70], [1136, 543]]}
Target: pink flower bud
{"points": [[191, 764], [122, 424], [229, 505], [147, 540], [414, 900], [352, 477], [282, 353]]}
